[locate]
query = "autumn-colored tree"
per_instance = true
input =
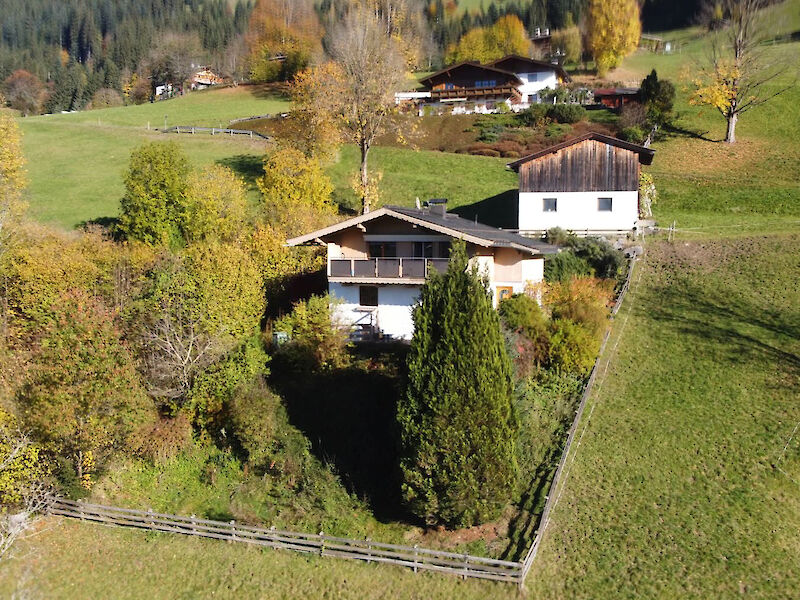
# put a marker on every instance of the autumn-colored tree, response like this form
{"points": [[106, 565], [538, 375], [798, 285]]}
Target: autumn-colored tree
{"points": [[568, 42], [215, 205], [296, 191], [317, 130], [173, 57], [105, 98], [739, 73], [484, 44], [12, 180], [83, 397], [613, 31], [24, 92], [282, 37]]}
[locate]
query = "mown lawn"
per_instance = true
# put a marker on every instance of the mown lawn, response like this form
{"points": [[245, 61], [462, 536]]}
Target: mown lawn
{"points": [[678, 487]]}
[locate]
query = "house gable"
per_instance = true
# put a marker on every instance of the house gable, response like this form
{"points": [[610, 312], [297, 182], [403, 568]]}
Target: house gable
{"points": [[468, 75], [515, 63]]}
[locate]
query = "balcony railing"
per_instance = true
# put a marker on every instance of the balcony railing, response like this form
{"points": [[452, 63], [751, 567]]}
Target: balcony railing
{"points": [[385, 268]]}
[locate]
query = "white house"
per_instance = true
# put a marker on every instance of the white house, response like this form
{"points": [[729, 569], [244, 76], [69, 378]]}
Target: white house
{"points": [[589, 185], [378, 262], [470, 87]]}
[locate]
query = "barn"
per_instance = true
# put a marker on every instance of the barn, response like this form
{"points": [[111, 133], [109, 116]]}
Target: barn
{"points": [[588, 184]]}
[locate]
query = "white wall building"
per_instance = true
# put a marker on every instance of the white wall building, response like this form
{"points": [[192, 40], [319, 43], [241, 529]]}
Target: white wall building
{"points": [[378, 262], [588, 185]]}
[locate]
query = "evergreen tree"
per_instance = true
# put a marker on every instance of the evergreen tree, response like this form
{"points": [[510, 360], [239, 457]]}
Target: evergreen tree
{"points": [[456, 420]]}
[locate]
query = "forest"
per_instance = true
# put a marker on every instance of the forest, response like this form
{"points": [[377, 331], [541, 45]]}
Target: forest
{"points": [[104, 52]]}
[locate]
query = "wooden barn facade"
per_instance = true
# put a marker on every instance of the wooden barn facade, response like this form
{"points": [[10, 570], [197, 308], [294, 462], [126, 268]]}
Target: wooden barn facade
{"points": [[588, 184]]}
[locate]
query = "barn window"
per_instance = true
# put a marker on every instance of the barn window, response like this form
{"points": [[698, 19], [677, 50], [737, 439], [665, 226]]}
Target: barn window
{"points": [[604, 204], [549, 205], [368, 295]]}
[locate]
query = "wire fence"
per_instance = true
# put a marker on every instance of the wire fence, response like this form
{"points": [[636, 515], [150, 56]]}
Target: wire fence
{"points": [[413, 557]]}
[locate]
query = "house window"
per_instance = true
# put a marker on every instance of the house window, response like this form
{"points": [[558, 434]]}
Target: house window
{"points": [[383, 249], [423, 249], [504, 292], [449, 86], [443, 250], [368, 295], [549, 205], [486, 83], [604, 204]]}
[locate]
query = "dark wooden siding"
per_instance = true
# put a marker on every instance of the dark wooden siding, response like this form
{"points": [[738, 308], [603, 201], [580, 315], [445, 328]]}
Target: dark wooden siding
{"points": [[465, 76], [587, 166]]}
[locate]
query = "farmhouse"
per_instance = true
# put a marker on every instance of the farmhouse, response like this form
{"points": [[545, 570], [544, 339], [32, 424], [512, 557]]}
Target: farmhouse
{"points": [[378, 262], [470, 87], [589, 185], [616, 98]]}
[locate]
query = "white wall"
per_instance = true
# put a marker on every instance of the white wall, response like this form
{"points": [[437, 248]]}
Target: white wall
{"points": [[536, 83], [393, 314], [577, 211]]}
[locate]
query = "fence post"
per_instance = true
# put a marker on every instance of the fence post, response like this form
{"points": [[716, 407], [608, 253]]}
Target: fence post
{"points": [[369, 550], [194, 526], [150, 522], [233, 530], [416, 559], [322, 543], [251, 134], [466, 566], [192, 130], [80, 509]]}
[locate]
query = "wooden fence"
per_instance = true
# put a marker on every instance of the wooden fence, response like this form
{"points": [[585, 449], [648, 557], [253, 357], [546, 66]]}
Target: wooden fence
{"points": [[413, 557], [216, 131]]}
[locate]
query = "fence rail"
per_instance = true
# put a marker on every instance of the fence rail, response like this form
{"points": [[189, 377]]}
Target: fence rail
{"points": [[216, 131], [464, 565], [413, 557]]}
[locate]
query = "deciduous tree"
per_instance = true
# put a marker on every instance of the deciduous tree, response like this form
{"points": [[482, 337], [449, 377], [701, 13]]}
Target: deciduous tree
{"points": [[215, 205], [568, 41], [740, 73], [456, 421], [484, 44], [613, 31], [12, 180], [24, 92]]}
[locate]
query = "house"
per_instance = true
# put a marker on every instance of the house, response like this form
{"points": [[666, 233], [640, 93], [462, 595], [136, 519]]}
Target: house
{"points": [[204, 77], [470, 87], [616, 98], [541, 43], [378, 262], [588, 184]]}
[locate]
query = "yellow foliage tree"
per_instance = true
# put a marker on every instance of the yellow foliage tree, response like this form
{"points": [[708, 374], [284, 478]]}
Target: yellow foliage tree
{"points": [[12, 180], [296, 191], [215, 205], [21, 464], [484, 44], [613, 31]]}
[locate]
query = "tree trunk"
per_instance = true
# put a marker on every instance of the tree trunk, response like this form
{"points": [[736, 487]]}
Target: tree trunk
{"points": [[365, 199], [730, 136]]}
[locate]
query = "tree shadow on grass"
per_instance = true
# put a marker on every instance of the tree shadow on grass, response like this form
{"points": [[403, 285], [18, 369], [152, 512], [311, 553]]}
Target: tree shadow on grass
{"points": [[248, 166], [682, 132], [744, 330], [349, 416], [501, 210]]}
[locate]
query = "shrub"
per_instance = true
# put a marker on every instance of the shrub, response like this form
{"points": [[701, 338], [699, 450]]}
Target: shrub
{"points": [[584, 301], [633, 134], [105, 98], [565, 266], [21, 469], [633, 114], [317, 338], [606, 261], [566, 113], [485, 152], [254, 414], [530, 339], [557, 130], [215, 205], [155, 188], [217, 385], [456, 421], [534, 116], [163, 439], [573, 348]]}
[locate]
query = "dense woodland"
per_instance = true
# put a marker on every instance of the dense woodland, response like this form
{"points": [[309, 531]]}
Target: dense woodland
{"points": [[78, 49]]}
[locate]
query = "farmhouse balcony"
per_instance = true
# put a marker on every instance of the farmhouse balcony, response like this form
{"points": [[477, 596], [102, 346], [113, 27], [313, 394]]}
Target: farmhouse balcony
{"points": [[384, 270], [473, 93]]}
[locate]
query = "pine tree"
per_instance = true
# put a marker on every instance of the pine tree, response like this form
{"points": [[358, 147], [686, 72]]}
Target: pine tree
{"points": [[456, 420]]}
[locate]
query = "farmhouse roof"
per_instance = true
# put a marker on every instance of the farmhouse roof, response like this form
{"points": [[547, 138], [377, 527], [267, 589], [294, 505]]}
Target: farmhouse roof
{"points": [[445, 223], [620, 91], [469, 63], [645, 154], [533, 62]]}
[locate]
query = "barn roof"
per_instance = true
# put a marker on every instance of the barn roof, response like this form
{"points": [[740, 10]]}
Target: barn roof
{"points": [[445, 223], [645, 154]]}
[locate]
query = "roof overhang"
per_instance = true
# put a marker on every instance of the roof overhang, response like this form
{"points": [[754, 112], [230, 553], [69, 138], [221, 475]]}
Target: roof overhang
{"points": [[645, 154]]}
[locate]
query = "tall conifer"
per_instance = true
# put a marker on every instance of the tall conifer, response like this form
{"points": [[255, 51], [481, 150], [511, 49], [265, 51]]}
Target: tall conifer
{"points": [[456, 421]]}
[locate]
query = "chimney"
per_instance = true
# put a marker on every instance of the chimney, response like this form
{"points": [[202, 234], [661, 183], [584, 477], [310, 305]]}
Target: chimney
{"points": [[538, 32], [547, 31], [438, 206]]}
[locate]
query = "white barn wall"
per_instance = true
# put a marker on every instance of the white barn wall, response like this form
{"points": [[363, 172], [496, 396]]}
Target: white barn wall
{"points": [[577, 211], [392, 315]]}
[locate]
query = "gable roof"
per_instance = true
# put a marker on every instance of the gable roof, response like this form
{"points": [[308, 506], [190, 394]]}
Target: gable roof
{"points": [[536, 63], [645, 154], [470, 63], [447, 224]]}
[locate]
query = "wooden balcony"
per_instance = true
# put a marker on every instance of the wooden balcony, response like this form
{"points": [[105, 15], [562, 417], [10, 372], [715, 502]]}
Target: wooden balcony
{"points": [[383, 270], [474, 93]]}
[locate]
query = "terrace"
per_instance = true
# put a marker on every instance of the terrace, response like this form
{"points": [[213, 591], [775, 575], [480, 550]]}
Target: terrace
{"points": [[406, 270]]}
